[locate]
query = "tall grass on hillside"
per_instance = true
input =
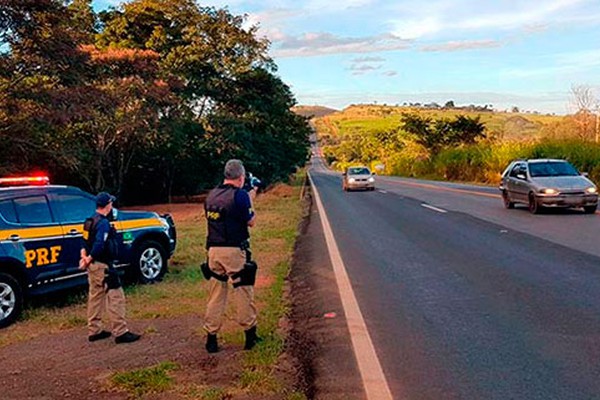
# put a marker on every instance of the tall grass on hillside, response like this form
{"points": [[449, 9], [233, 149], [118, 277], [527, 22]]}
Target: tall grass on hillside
{"points": [[485, 162]]}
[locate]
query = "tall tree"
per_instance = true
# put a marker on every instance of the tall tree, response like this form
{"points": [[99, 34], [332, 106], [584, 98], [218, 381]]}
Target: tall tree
{"points": [[83, 20], [434, 135], [39, 61]]}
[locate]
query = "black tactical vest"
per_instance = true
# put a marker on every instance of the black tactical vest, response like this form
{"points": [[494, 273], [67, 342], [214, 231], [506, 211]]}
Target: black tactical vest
{"points": [[226, 225], [111, 246]]}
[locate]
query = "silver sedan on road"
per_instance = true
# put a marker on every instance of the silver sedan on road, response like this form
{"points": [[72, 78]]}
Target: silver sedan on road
{"points": [[547, 183], [358, 178]]}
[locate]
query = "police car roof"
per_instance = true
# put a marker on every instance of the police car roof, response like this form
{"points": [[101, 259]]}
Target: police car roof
{"points": [[544, 160], [32, 187]]}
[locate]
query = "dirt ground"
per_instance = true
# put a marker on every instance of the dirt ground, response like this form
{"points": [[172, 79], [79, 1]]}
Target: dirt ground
{"points": [[65, 365]]}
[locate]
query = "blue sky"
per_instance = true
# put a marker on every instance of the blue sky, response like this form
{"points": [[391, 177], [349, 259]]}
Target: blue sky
{"points": [[507, 53]]}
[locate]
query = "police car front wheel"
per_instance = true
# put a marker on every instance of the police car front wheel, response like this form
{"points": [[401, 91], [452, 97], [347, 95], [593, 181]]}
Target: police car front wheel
{"points": [[11, 300], [152, 262]]}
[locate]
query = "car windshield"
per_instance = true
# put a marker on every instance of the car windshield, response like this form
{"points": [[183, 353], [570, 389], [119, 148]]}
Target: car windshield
{"points": [[358, 171], [556, 168]]}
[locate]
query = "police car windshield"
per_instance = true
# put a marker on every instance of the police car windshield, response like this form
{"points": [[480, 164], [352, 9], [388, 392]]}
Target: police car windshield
{"points": [[359, 171], [552, 168]]}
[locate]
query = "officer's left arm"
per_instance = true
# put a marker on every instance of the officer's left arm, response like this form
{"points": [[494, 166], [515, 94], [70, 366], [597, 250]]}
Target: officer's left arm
{"points": [[244, 205]]}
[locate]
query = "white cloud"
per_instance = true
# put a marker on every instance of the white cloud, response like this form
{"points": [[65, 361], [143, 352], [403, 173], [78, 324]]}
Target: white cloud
{"points": [[523, 15], [367, 59], [462, 45], [413, 29], [537, 13], [333, 6], [319, 44], [364, 67]]}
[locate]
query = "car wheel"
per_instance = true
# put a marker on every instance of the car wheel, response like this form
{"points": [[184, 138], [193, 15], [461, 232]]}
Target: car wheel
{"points": [[11, 300], [590, 209], [509, 205], [534, 206], [150, 262]]}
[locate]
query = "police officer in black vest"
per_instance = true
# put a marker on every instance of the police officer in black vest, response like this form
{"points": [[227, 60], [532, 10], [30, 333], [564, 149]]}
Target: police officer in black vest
{"points": [[105, 291], [229, 213]]}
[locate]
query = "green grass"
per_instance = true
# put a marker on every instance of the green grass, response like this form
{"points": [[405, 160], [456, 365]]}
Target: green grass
{"points": [[296, 396], [140, 382], [215, 394]]}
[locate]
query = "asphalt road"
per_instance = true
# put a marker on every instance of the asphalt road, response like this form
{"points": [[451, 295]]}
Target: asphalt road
{"points": [[466, 300]]}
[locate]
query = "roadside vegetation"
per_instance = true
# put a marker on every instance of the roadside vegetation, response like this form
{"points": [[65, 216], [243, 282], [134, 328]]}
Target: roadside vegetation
{"points": [[454, 144], [145, 381], [155, 309], [146, 100]]}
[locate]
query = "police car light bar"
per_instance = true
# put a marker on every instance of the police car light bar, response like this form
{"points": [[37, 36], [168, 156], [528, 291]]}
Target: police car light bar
{"points": [[25, 180]]}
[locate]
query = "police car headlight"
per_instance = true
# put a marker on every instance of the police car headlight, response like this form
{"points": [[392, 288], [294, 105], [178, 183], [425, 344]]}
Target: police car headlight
{"points": [[164, 223], [591, 190], [351, 180], [371, 180]]}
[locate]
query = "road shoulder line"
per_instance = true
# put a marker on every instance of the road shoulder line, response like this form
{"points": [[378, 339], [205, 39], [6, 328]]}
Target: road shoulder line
{"points": [[441, 211], [374, 381]]}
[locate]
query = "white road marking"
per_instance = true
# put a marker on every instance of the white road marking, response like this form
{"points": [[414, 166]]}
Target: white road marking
{"points": [[434, 208], [374, 381], [382, 191]]}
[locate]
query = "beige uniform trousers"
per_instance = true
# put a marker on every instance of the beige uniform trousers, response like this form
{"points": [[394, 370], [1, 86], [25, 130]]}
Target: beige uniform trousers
{"points": [[228, 260], [99, 300]]}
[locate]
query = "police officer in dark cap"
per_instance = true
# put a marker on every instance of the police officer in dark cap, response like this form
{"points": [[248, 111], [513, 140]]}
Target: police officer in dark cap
{"points": [[105, 291], [229, 213]]}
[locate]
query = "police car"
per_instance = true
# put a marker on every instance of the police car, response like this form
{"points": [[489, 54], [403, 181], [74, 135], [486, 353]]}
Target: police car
{"points": [[41, 234]]}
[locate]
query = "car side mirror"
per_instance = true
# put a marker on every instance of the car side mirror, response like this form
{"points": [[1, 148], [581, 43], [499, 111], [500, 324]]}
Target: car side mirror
{"points": [[374, 173], [585, 174], [343, 174], [521, 177]]}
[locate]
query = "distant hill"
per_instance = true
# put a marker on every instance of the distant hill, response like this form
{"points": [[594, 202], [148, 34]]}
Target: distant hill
{"points": [[363, 118], [313, 111]]}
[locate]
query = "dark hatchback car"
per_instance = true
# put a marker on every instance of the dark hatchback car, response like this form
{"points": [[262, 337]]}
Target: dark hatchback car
{"points": [[543, 183], [41, 233]]}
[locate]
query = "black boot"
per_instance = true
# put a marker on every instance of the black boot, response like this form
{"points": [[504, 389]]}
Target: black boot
{"points": [[127, 337], [251, 338], [211, 343]]}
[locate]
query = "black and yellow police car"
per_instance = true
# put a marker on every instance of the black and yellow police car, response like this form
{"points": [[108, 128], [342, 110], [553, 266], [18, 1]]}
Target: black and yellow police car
{"points": [[41, 234]]}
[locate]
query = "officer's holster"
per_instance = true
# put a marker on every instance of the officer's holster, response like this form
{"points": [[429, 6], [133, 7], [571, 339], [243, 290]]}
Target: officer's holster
{"points": [[247, 276], [112, 279], [209, 273]]}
